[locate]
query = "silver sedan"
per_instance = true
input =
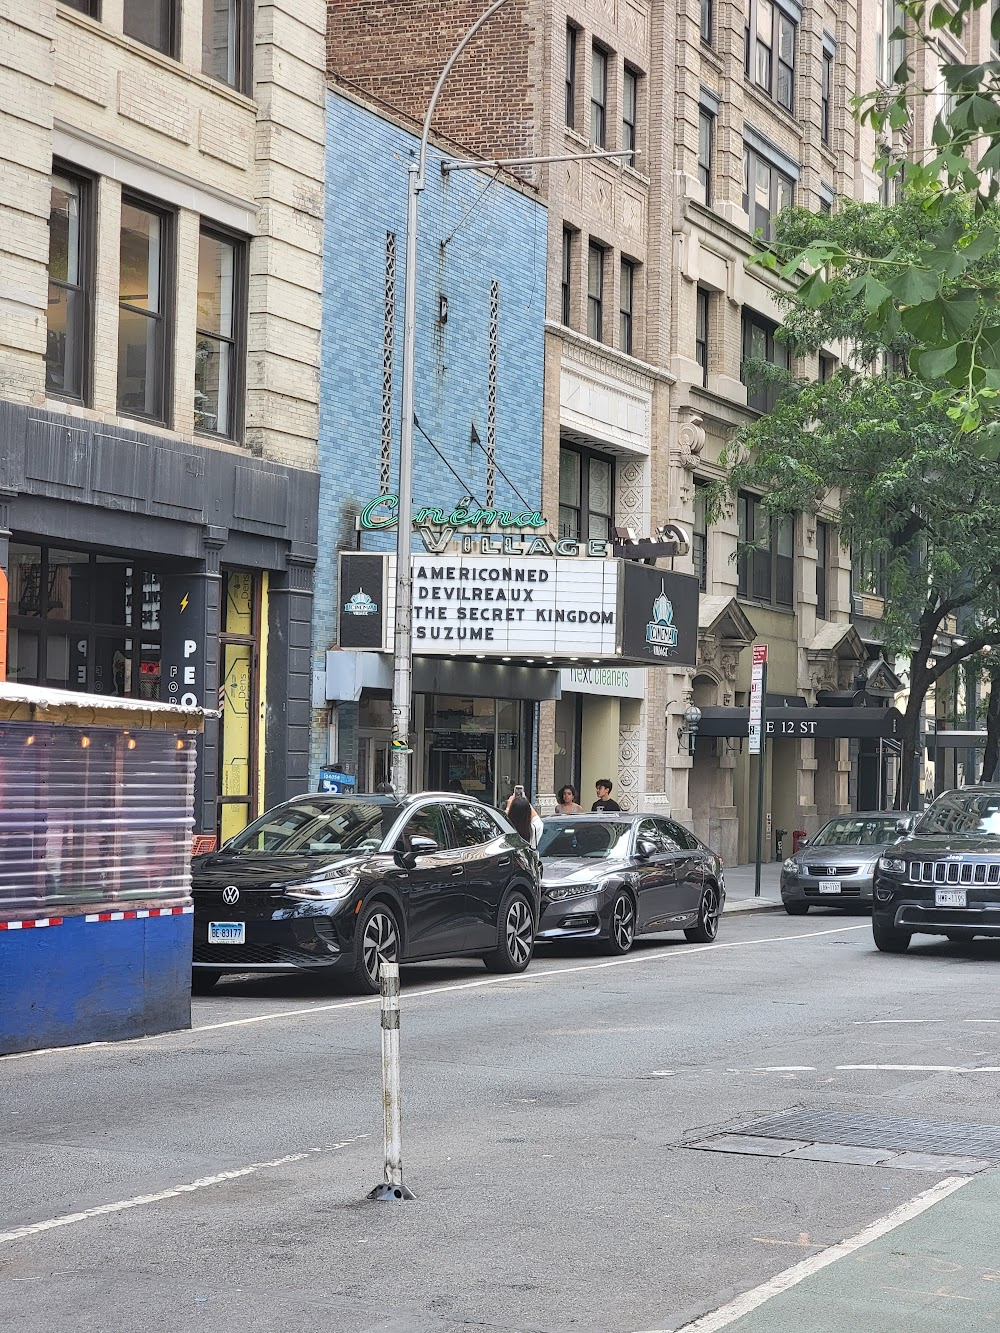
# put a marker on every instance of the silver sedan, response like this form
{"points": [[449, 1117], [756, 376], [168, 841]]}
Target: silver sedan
{"points": [[836, 867]]}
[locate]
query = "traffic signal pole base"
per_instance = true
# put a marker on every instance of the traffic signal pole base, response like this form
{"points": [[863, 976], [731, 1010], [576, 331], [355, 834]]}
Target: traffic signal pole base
{"points": [[386, 1193]]}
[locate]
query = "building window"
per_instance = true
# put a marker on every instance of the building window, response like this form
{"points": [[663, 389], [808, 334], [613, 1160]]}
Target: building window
{"points": [[219, 338], [567, 276], [760, 344], [825, 207], [152, 22], [67, 338], [143, 311], [706, 22], [766, 554], [766, 192], [598, 96], [827, 367], [572, 35], [90, 7], [595, 292], [769, 51], [889, 50], [822, 567], [586, 494], [706, 143], [699, 535], [871, 574], [994, 33], [702, 312], [627, 304], [225, 42], [826, 94], [630, 110]]}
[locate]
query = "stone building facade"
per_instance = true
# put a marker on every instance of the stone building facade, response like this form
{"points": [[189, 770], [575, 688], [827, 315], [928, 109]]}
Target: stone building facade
{"points": [[161, 200]]}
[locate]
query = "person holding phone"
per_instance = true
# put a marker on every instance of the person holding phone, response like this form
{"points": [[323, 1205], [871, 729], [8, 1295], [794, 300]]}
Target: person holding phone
{"points": [[523, 815]]}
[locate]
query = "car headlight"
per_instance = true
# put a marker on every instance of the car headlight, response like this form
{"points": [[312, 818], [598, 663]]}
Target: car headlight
{"points": [[895, 865], [555, 895], [790, 864], [324, 890]]}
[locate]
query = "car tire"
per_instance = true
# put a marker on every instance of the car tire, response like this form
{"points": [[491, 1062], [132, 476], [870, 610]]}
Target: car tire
{"points": [[796, 909], [621, 925], [888, 939], [709, 911], [516, 936], [377, 938], [204, 982]]}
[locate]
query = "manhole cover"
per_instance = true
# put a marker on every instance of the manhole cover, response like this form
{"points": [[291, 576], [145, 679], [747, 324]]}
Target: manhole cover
{"points": [[863, 1131]]}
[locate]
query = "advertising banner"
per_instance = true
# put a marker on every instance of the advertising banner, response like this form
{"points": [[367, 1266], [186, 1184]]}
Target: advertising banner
{"points": [[362, 601], [660, 616]]}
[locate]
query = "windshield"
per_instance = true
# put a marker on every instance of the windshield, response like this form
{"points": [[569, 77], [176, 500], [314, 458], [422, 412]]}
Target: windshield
{"points": [[854, 832], [972, 812], [593, 839], [317, 827]]}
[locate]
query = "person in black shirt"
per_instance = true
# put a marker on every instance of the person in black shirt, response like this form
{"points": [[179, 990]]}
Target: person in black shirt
{"points": [[604, 802]]}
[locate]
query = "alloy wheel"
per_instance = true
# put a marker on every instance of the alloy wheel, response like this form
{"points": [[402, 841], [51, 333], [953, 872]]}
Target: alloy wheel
{"points": [[520, 932], [380, 943], [623, 922], [709, 912]]}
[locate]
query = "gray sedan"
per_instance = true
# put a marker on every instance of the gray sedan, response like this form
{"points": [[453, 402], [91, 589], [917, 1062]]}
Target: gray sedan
{"points": [[836, 867]]}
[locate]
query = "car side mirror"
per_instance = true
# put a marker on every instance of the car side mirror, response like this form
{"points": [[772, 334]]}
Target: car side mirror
{"points": [[803, 842], [420, 846], [903, 825], [644, 850]]}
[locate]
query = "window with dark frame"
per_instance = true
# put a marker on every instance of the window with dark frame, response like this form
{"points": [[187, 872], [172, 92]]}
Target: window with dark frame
{"points": [[766, 556], [706, 144], [769, 51], [567, 276], [70, 296], [152, 22], [826, 95], [626, 306], [598, 96], [145, 314], [701, 330], [586, 494], [630, 110], [220, 336], [889, 51], [706, 22], [822, 568], [699, 534], [572, 38], [767, 190], [92, 8], [595, 292], [870, 574], [760, 344], [226, 42], [827, 367]]}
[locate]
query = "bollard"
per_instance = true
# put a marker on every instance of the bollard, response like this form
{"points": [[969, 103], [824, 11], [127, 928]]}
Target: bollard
{"points": [[392, 1186]]}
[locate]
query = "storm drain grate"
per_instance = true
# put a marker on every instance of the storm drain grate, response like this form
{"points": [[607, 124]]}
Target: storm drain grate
{"points": [[862, 1131]]}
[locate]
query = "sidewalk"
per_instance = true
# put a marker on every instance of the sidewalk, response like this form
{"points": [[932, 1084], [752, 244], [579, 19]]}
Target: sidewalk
{"points": [[740, 886], [934, 1272]]}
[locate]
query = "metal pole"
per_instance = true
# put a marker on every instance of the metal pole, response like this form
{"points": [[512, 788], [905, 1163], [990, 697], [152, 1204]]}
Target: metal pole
{"points": [[760, 780], [392, 1186]]}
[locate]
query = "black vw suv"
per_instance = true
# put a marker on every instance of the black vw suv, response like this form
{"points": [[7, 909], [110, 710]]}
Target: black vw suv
{"points": [[944, 878]]}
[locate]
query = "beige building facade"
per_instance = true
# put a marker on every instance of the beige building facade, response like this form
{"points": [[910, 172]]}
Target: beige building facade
{"points": [[161, 214]]}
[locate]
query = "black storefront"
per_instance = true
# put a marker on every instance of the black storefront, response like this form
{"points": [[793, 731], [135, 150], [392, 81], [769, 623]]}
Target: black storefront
{"points": [[149, 566]]}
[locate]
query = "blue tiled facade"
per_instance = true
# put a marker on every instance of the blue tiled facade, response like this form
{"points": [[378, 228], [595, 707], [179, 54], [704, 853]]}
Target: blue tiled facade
{"points": [[474, 232]]}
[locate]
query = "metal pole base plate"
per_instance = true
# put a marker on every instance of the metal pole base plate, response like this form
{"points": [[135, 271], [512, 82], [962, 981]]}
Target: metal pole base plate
{"points": [[392, 1193]]}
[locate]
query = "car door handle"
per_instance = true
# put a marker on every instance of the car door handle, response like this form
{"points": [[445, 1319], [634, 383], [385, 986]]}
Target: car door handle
{"points": [[459, 870], [504, 861]]}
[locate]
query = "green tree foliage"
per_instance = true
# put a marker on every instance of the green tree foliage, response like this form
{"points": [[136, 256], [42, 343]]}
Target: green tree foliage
{"points": [[940, 287]]}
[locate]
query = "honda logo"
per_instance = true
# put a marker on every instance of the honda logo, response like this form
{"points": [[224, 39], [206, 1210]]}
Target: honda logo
{"points": [[230, 895], [830, 870]]}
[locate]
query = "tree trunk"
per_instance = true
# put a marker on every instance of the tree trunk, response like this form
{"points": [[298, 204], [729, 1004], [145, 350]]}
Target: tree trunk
{"points": [[992, 728], [910, 739]]}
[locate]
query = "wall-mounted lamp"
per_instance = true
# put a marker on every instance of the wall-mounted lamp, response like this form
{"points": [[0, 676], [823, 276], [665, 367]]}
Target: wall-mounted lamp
{"points": [[692, 718]]}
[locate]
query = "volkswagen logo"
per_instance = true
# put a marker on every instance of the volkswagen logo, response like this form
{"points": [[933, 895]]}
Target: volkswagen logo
{"points": [[230, 895]]}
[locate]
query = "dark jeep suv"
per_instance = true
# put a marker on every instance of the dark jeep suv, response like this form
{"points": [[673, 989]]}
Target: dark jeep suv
{"points": [[944, 878]]}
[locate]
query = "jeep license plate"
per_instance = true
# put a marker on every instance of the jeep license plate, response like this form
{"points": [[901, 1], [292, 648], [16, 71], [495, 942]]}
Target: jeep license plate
{"points": [[949, 898]]}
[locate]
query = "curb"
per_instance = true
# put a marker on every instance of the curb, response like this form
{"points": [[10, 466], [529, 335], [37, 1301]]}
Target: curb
{"points": [[765, 905]]}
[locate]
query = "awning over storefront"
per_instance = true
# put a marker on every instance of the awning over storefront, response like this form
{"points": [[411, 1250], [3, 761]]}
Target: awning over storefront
{"points": [[955, 740], [805, 723]]}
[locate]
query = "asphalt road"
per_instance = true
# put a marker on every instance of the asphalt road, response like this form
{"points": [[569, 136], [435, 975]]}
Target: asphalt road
{"points": [[545, 1124]]}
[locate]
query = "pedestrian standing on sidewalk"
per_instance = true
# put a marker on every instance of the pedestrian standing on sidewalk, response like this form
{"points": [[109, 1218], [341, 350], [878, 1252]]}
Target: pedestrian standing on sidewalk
{"points": [[604, 802], [567, 803], [523, 815]]}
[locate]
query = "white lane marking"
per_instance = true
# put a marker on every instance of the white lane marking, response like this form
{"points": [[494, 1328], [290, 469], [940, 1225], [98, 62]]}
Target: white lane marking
{"points": [[931, 1069], [784, 1069], [140, 1200], [879, 1022], [447, 989], [791, 1277]]}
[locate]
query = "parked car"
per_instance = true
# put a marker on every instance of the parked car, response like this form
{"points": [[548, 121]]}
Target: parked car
{"points": [[836, 868], [326, 881], [944, 878], [612, 877]]}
